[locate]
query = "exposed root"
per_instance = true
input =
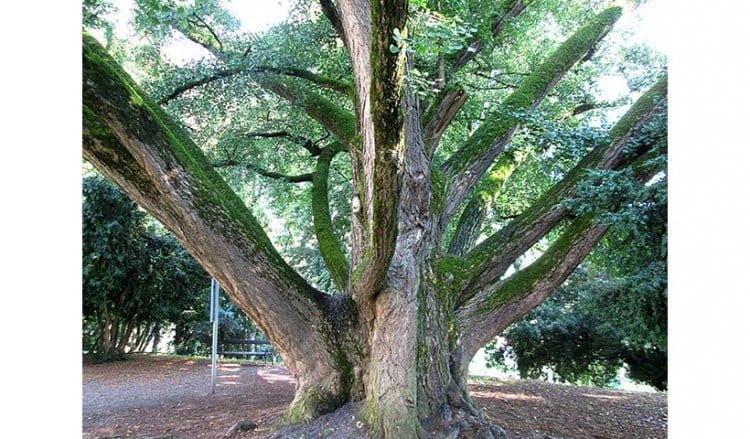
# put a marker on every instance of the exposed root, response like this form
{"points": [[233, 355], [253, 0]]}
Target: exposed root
{"points": [[463, 425], [238, 427], [342, 423], [345, 423]]}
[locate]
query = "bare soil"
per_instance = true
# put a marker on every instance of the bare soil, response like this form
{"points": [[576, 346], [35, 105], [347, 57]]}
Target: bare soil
{"points": [[164, 397]]}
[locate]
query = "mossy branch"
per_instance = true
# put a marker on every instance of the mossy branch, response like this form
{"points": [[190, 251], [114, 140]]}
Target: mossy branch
{"points": [[493, 256], [330, 246], [482, 199], [130, 138], [342, 87], [100, 146], [490, 312], [332, 117], [470, 162]]}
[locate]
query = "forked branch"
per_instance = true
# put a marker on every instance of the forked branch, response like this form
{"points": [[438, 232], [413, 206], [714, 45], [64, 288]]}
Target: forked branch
{"points": [[471, 161], [490, 259]]}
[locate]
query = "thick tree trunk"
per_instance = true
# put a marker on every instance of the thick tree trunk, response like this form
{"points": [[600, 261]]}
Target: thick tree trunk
{"points": [[412, 383]]}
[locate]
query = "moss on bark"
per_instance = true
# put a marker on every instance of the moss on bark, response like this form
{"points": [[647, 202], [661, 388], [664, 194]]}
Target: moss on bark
{"points": [[475, 211], [328, 243], [536, 86], [333, 117], [535, 222]]}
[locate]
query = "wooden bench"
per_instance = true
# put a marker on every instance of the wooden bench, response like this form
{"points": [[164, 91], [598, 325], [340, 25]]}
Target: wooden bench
{"points": [[234, 347]]}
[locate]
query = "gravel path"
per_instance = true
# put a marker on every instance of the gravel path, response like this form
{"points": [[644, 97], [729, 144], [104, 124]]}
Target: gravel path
{"points": [[163, 397]]}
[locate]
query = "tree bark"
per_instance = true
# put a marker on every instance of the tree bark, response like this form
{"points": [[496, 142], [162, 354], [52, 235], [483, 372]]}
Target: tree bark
{"points": [[136, 145]]}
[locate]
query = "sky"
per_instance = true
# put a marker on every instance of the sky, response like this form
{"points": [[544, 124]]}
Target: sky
{"points": [[254, 16], [259, 14], [649, 21]]}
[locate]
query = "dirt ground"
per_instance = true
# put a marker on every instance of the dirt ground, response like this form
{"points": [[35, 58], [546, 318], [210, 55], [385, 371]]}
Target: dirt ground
{"points": [[164, 397]]}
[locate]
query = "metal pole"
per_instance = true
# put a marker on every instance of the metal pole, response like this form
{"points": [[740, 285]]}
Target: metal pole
{"points": [[215, 321]]}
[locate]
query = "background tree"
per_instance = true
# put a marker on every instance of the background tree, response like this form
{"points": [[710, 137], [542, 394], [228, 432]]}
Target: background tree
{"points": [[136, 281], [409, 117]]}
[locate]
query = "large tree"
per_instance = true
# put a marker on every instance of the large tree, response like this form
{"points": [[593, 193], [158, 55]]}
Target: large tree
{"points": [[414, 291]]}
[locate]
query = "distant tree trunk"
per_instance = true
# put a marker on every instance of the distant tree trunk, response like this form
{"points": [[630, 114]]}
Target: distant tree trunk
{"points": [[126, 333], [142, 337], [180, 336], [105, 336], [156, 333], [109, 330]]}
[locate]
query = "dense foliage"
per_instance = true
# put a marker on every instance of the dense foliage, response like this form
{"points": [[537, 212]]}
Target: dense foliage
{"points": [[137, 280], [613, 310], [140, 285]]}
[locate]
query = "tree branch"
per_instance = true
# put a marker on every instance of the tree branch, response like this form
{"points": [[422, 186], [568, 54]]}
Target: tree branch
{"points": [[335, 119], [331, 84], [583, 108], [199, 82], [490, 259], [310, 145], [213, 44], [440, 115], [303, 178], [328, 83], [471, 161], [503, 85], [503, 302], [486, 315], [210, 30], [449, 103], [329, 9], [329, 244], [135, 143], [482, 199], [339, 86], [508, 10], [376, 162]]}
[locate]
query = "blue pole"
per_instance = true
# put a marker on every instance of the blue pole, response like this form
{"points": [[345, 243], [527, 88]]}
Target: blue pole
{"points": [[215, 321]]}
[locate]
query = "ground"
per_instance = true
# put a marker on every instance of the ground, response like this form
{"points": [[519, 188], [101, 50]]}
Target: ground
{"points": [[165, 397]]}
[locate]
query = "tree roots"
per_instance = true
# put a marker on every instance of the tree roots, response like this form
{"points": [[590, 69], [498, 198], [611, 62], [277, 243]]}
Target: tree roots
{"points": [[345, 423]]}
